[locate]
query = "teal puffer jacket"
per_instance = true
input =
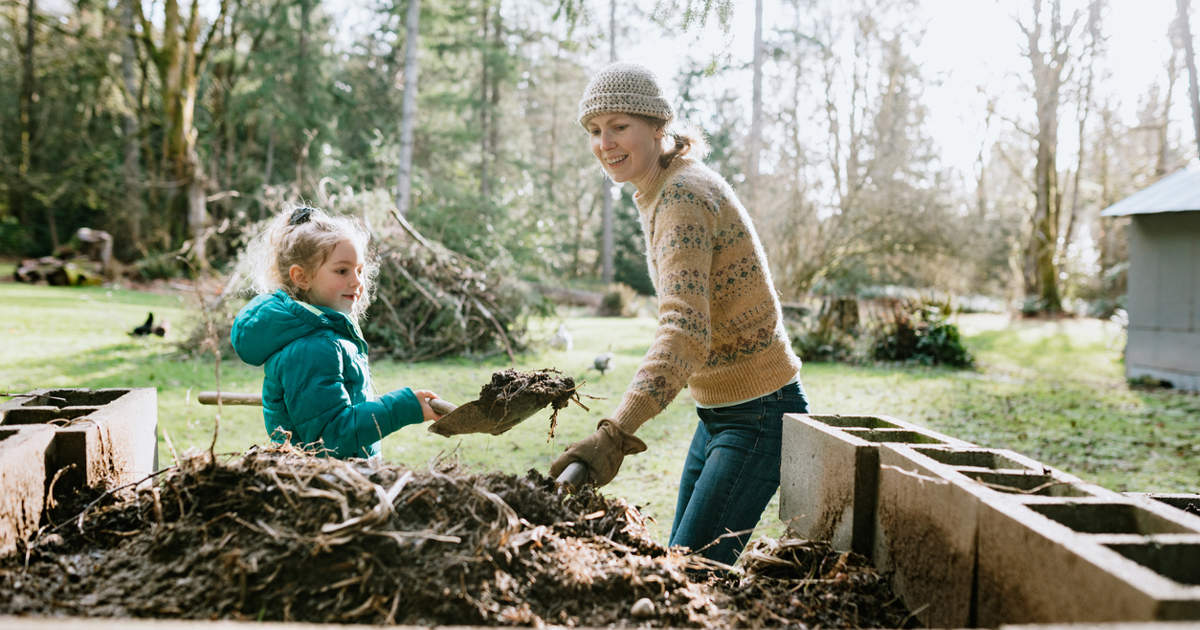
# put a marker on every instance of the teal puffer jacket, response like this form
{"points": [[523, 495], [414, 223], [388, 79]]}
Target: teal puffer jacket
{"points": [[317, 385]]}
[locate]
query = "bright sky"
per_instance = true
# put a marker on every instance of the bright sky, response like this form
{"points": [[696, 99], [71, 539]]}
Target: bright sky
{"points": [[967, 44]]}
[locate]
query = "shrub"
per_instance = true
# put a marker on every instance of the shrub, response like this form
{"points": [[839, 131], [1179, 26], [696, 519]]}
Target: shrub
{"points": [[832, 334], [161, 266], [922, 336], [620, 300]]}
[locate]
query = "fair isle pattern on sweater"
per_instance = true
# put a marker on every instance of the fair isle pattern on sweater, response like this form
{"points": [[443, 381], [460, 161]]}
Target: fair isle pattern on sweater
{"points": [[720, 329]]}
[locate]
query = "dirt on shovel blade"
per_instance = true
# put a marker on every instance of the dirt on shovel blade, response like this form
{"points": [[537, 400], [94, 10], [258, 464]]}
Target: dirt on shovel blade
{"points": [[507, 400], [278, 535]]}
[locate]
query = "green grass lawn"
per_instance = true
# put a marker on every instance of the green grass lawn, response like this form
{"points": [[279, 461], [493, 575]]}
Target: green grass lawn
{"points": [[1052, 390]]}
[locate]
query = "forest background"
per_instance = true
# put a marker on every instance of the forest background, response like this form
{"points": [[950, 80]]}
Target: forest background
{"points": [[176, 125]]}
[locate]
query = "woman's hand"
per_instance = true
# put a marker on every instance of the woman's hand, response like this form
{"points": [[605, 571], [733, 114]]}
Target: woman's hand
{"points": [[602, 451], [423, 396]]}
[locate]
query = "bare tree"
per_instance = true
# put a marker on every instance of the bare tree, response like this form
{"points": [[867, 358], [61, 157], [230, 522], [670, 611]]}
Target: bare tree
{"points": [[1160, 168], [1093, 49], [408, 124], [1049, 72], [754, 142], [863, 192], [1189, 56], [606, 190]]}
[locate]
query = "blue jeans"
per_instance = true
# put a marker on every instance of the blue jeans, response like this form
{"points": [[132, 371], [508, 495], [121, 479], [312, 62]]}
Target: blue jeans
{"points": [[731, 472]]}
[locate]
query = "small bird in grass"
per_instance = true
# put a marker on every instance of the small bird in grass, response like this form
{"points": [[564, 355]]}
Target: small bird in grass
{"points": [[562, 339], [603, 363], [144, 329], [162, 328]]}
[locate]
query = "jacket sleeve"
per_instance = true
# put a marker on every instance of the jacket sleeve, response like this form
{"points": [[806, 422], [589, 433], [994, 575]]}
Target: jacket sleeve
{"points": [[682, 251], [317, 401]]}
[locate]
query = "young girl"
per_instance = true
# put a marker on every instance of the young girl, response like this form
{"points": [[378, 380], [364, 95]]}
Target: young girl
{"points": [[315, 278]]}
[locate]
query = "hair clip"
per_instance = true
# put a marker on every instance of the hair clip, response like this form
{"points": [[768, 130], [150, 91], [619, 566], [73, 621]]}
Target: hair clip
{"points": [[301, 215]]}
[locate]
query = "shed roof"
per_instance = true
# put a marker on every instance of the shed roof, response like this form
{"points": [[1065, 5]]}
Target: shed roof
{"points": [[1177, 192]]}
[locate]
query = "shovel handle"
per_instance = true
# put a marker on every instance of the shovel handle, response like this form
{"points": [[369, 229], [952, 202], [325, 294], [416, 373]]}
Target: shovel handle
{"points": [[441, 407], [229, 398], [576, 474]]}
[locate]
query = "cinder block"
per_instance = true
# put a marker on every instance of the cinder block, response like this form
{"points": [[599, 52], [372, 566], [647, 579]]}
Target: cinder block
{"points": [[1186, 502], [830, 468], [23, 455], [927, 520], [103, 437], [1071, 560]]}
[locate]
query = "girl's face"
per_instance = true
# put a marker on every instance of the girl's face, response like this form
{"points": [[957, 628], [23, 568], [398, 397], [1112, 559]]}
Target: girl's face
{"points": [[337, 283], [628, 147]]}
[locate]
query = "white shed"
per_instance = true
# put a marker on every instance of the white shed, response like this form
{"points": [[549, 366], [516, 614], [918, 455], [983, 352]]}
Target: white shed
{"points": [[1164, 279]]}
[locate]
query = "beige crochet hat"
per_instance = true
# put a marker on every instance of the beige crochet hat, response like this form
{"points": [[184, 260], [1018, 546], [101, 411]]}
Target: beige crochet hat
{"points": [[627, 88]]}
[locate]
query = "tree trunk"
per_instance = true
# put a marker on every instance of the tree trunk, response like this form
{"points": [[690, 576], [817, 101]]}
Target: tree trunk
{"points": [[193, 171], [408, 124], [1189, 55], [552, 150], [1048, 69], [607, 253], [180, 65], [270, 152], [20, 193], [131, 169], [1160, 168], [1085, 108], [754, 142], [497, 77], [484, 104]]}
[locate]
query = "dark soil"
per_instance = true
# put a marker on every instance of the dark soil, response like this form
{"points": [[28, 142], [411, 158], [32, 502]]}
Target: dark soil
{"points": [[279, 535], [510, 398]]}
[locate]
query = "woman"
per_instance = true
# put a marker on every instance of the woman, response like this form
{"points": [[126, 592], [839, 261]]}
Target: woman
{"points": [[720, 329]]}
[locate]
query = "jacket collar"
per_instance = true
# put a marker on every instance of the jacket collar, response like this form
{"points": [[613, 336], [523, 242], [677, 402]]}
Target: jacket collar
{"points": [[323, 317]]}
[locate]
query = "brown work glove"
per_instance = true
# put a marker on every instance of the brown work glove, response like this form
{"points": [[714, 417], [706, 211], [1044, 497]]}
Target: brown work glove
{"points": [[602, 451]]}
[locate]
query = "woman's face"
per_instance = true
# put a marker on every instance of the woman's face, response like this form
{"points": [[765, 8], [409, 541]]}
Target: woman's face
{"points": [[627, 146]]}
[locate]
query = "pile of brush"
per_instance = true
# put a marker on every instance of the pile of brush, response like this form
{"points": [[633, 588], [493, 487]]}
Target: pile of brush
{"points": [[432, 302]]}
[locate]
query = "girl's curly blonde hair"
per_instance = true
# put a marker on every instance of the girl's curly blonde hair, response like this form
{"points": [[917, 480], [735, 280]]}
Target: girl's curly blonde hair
{"points": [[305, 236]]}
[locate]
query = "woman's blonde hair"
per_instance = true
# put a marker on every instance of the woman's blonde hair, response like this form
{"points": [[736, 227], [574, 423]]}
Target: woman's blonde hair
{"points": [[686, 139], [306, 236]]}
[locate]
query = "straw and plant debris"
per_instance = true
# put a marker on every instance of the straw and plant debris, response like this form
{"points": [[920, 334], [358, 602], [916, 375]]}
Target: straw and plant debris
{"points": [[280, 535]]}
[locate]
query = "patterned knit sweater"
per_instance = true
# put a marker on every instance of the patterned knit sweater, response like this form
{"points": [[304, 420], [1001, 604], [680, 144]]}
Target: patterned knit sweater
{"points": [[720, 329]]}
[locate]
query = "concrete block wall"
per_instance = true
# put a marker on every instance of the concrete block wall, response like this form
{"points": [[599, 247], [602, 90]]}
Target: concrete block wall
{"points": [[1076, 561], [830, 468], [1185, 502], [101, 436], [928, 513], [23, 461], [984, 537]]}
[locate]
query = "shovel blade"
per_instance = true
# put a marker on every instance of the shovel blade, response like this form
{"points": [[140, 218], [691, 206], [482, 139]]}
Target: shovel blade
{"points": [[475, 417]]}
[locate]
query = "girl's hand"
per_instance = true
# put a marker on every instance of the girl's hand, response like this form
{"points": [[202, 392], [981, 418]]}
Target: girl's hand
{"points": [[423, 396]]}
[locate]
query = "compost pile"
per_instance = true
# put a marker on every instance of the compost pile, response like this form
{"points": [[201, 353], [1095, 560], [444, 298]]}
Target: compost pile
{"points": [[280, 535]]}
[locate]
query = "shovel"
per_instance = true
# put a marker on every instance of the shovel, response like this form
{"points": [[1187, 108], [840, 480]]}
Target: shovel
{"points": [[473, 417]]}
